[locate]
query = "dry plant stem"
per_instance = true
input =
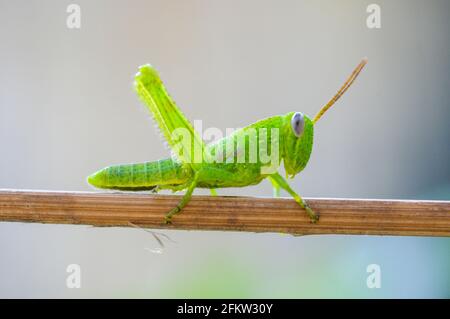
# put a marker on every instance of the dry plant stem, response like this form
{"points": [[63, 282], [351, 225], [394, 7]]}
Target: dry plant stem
{"points": [[338, 216]]}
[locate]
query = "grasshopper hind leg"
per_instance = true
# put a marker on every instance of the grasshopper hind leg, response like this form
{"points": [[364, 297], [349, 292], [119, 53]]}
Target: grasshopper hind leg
{"points": [[183, 202]]}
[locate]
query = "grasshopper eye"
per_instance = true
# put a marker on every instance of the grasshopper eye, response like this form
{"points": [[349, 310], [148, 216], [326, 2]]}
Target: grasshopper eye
{"points": [[297, 124]]}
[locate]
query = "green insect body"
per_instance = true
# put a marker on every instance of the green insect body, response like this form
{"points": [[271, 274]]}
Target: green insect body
{"points": [[245, 157]]}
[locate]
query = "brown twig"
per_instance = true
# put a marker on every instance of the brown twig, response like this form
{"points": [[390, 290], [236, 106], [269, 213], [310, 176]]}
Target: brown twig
{"points": [[337, 216]]}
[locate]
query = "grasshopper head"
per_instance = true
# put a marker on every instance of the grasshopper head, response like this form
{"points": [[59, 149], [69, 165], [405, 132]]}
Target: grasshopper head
{"points": [[299, 132]]}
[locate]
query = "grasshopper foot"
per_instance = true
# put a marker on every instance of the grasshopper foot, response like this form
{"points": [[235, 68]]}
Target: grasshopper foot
{"points": [[169, 215], [312, 215], [167, 220]]}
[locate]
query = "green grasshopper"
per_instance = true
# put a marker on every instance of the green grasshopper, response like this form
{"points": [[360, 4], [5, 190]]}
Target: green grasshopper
{"points": [[237, 160]]}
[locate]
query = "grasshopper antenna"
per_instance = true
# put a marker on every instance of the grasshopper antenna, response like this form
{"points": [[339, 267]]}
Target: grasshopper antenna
{"points": [[342, 90]]}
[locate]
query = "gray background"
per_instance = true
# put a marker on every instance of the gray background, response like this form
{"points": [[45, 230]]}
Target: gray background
{"points": [[67, 108]]}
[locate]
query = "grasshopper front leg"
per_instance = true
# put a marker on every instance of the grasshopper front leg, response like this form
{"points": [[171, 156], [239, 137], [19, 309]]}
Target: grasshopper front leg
{"points": [[276, 187], [186, 198], [277, 179]]}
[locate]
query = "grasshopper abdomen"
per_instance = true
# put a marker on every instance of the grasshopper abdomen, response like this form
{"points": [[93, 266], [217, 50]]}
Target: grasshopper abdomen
{"points": [[141, 176]]}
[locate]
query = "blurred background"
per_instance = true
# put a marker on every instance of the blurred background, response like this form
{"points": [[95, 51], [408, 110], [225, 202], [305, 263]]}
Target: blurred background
{"points": [[67, 108]]}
